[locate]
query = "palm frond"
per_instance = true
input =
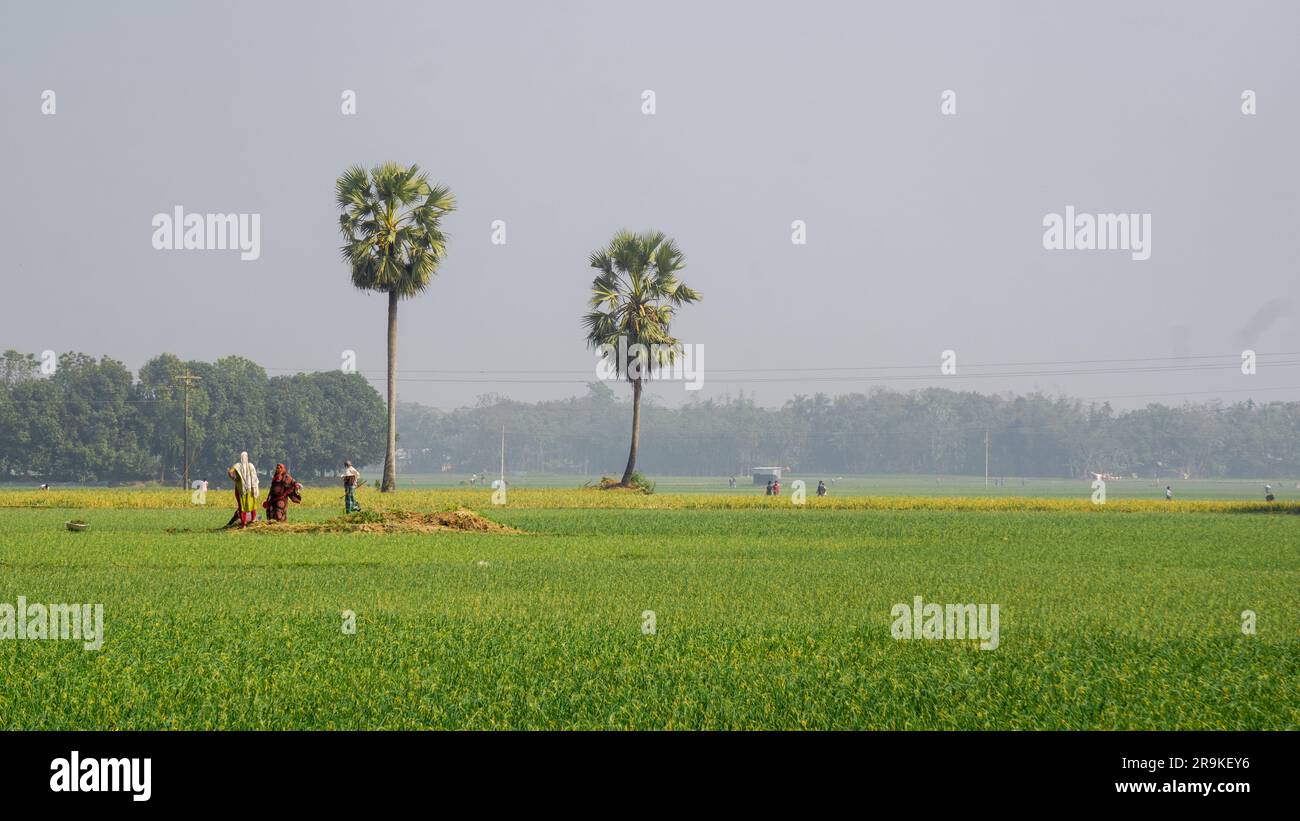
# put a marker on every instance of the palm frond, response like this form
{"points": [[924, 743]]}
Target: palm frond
{"points": [[390, 221], [635, 292]]}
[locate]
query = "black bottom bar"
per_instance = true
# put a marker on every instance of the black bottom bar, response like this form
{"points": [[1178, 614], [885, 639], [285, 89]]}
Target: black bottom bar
{"points": [[329, 770]]}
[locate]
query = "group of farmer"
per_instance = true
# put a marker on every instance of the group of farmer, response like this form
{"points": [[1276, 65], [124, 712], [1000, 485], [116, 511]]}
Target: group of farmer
{"points": [[284, 489], [774, 487]]}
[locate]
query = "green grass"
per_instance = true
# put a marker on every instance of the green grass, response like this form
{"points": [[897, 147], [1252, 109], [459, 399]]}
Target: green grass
{"points": [[1285, 489], [915, 485], [766, 618]]}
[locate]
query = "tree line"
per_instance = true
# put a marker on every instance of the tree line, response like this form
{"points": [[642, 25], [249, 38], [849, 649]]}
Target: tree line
{"points": [[931, 431], [91, 420]]}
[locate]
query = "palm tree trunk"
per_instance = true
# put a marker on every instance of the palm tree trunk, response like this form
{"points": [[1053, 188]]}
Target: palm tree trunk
{"points": [[636, 433], [390, 458]]}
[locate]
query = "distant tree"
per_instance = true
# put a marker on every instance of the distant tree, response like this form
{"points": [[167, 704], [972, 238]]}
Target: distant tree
{"points": [[296, 432], [345, 416], [89, 428], [634, 296], [231, 408], [33, 446], [394, 242], [162, 405], [17, 367]]}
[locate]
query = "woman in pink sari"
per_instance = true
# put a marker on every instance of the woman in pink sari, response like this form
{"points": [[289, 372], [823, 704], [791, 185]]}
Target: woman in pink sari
{"points": [[283, 490]]}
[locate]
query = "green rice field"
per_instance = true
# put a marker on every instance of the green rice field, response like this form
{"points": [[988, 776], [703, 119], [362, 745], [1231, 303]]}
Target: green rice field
{"points": [[764, 615]]}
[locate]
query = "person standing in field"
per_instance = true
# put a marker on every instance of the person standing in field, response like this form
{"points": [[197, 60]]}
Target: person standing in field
{"points": [[776, 488], [1268, 493], [821, 487], [1169, 493], [246, 489], [350, 477], [283, 490], [769, 488]]}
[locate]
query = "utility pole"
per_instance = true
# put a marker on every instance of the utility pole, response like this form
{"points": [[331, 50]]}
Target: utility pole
{"points": [[187, 381], [986, 457]]}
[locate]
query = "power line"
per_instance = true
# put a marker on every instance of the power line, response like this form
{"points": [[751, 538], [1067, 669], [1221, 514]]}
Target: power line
{"points": [[1235, 357], [1188, 393], [855, 378]]}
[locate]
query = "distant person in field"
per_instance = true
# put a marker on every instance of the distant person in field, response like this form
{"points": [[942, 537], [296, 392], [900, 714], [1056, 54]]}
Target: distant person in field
{"points": [[283, 490], [821, 487], [1169, 493], [776, 488], [769, 487], [350, 477], [45, 485], [246, 489], [1268, 493]]}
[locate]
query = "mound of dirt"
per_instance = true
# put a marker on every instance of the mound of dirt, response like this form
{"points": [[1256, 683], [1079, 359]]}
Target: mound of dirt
{"points": [[389, 521], [607, 483], [459, 519]]}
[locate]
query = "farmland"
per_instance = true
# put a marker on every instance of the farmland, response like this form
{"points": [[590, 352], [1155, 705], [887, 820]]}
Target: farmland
{"points": [[1125, 616]]}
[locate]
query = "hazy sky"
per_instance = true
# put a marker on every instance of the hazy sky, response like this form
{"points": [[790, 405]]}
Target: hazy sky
{"points": [[924, 230]]}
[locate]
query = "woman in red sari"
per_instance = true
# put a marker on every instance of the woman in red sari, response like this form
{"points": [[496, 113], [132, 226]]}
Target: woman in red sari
{"points": [[283, 489]]}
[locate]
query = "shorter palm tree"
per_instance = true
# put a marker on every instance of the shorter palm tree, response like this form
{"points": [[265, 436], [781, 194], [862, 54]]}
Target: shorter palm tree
{"points": [[634, 297]]}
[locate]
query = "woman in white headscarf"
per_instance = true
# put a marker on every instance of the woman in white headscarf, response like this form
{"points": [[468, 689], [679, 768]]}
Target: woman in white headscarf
{"points": [[245, 475]]}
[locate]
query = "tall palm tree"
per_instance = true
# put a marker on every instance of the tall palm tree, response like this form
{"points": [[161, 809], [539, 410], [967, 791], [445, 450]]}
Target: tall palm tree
{"points": [[394, 244], [634, 296]]}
